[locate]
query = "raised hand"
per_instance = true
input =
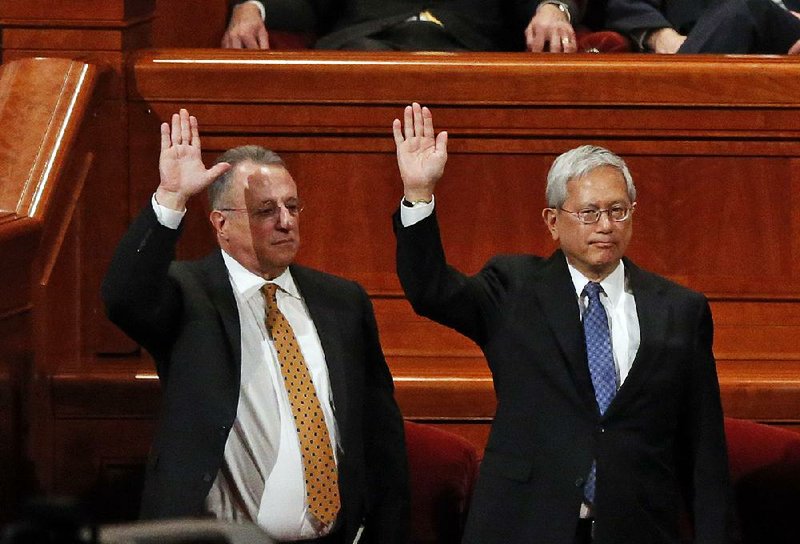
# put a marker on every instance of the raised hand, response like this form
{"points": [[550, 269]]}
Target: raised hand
{"points": [[421, 155], [180, 165]]}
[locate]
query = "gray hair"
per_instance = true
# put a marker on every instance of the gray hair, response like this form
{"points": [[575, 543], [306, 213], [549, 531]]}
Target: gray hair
{"points": [[578, 162], [218, 189]]}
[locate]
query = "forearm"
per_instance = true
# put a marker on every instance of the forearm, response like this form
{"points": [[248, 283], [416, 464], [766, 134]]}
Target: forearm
{"points": [[136, 291]]}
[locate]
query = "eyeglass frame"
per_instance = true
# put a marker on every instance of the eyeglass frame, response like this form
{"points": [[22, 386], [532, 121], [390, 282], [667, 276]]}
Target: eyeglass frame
{"points": [[273, 215], [629, 209]]}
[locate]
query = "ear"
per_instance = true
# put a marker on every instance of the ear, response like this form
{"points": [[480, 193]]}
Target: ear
{"points": [[218, 222], [550, 218]]}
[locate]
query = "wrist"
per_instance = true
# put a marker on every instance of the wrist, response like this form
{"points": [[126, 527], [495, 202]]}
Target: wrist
{"points": [[170, 199], [258, 5], [417, 197], [561, 7]]}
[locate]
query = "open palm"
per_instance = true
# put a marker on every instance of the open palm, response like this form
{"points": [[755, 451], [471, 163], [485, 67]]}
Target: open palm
{"points": [[181, 164], [421, 155]]}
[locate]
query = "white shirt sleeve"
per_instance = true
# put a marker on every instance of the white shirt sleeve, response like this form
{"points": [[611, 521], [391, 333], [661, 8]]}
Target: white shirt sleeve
{"points": [[416, 213], [166, 216]]}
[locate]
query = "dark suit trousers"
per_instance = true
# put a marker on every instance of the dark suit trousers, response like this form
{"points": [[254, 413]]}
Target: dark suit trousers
{"points": [[406, 36], [743, 26]]}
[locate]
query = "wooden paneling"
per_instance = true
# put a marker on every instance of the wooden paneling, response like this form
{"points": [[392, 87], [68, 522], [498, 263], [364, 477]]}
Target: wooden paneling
{"points": [[189, 23], [43, 166], [712, 143], [89, 13]]}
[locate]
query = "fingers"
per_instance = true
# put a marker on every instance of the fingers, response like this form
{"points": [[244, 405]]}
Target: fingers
{"points": [[175, 132], [441, 144], [165, 141], [194, 131], [182, 129], [397, 130], [795, 49], [427, 123], [408, 126], [249, 40], [418, 124], [262, 37], [534, 40], [186, 131]]}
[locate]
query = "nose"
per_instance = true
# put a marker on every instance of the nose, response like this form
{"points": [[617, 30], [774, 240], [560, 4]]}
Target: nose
{"points": [[285, 219], [605, 222]]}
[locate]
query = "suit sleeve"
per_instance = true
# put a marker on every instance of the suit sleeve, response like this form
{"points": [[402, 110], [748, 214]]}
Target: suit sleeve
{"points": [[388, 512], [710, 492], [138, 294], [627, 16], [438, 291]]}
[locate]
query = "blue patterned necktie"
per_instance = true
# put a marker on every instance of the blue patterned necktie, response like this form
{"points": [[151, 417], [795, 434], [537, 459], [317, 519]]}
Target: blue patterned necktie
{"points": [[601, 361]]}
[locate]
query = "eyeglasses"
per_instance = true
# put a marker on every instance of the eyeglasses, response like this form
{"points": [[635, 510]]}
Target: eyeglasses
{"points": [[590, 216], [269, 210]]}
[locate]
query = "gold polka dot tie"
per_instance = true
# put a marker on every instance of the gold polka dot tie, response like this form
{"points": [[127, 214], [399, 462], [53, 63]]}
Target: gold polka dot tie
{"points": [[319, 464]]}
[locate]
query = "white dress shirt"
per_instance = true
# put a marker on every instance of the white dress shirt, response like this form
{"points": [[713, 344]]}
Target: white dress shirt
{"points": [[261, 478]]}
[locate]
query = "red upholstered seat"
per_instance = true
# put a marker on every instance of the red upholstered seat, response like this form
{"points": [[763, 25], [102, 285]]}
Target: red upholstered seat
{"points": [[765, 471], [603, 41], [443, 468]]}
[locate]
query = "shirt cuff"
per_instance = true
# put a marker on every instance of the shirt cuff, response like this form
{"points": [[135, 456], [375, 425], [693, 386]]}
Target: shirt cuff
{"points": [[410, 215], [166, 216], [260, 7]]}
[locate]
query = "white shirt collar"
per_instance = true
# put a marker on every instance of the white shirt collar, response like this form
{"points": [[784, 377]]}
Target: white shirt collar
{"points": [[245, 283], [613, 284]]}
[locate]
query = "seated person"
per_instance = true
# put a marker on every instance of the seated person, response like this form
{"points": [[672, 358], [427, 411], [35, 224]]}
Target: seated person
{"points": [[386, 25], [708, 26]]}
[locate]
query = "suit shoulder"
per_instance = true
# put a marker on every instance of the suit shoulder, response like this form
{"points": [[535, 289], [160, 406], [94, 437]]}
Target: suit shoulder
{"points": [[515, 261], [674, 290], [331, 283]]}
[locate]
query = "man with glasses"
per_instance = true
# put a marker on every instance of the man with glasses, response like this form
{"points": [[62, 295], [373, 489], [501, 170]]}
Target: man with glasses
{"points": [[278, 404], [609, 424]]}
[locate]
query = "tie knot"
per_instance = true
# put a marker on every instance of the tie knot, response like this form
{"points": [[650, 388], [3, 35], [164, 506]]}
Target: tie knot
{"points": [[593, 290], [270, 290]]}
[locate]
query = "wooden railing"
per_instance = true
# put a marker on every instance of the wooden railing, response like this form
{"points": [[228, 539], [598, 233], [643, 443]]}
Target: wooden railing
{"points": [[45, 160]]}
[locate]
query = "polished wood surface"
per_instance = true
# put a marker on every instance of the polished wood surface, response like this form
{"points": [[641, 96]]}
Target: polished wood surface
{"points": [[44, 162]]}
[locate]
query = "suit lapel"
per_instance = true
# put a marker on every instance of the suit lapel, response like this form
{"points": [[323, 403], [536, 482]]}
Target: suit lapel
{"points": [[325, 316], [653, 313], [556, 294], [221, 294]]}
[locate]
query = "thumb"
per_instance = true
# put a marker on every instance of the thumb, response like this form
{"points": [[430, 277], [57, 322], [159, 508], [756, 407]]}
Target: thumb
{"points": [[218, 169], [441, 143]]}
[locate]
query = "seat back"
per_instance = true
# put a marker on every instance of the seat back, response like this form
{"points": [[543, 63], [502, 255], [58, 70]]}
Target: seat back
{"points": [[443, 468]]}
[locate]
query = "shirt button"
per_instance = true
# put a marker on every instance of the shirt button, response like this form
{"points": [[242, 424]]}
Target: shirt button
{"points": [[578, 482], [207, 477]]}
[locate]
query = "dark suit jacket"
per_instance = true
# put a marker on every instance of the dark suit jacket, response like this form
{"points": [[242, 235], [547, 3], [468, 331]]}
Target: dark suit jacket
{"points": [[185, 315], [479, 25], [629, 15], [660, 446]]}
